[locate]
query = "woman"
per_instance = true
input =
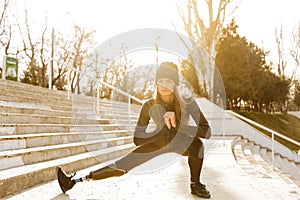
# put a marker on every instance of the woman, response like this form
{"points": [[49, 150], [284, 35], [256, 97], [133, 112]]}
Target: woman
{"points": [[170, 113]]}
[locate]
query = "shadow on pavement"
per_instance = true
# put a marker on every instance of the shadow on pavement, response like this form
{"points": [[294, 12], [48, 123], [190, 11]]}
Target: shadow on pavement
{"points": [[62, 196]]}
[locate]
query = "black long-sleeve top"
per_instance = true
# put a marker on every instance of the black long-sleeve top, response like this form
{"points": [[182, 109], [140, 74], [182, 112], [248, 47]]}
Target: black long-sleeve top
{"points": [[150, 109]]}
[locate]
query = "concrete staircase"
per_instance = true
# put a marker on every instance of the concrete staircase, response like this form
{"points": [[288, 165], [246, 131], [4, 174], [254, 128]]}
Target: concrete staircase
{"points": [[257, 160], [41, 129]]}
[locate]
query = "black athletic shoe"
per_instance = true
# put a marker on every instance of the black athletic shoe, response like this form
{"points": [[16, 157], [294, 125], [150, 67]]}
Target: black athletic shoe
{"points": [[200, 190], [65, 181]]}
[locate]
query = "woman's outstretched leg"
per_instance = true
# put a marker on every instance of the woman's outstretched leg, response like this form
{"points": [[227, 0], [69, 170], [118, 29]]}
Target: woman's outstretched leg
{"points": [[138, 156], [66, 182]]}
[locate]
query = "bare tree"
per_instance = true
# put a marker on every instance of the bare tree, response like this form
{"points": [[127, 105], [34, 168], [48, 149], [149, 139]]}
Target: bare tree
{"points": [[295, 54], [36, 50], [3, 10], [116, 74], [44, 56], [3, 21], [94, 67], [68, 53], [7, 22], [282, 58], [124, 75], [282, 62], [195, 22], [80, 49], [61, 60], [204, 30], [29, 48], [295, 49]]}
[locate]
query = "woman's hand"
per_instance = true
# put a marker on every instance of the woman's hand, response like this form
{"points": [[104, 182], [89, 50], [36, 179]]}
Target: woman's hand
{"points": [[170, 119]]}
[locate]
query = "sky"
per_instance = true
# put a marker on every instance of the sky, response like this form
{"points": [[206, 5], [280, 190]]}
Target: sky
{"points": [[256, 19], [259, 18]]}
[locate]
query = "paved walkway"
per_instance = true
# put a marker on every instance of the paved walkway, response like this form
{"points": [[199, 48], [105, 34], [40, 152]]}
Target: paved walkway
{"points": [[223, 176]]}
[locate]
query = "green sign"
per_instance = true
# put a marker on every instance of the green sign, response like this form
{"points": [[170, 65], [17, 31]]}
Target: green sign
{"points": [[11, 68]]}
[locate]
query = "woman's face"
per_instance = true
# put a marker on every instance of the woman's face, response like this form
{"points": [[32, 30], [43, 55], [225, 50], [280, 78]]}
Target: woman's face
{"points": [[165, 86]]}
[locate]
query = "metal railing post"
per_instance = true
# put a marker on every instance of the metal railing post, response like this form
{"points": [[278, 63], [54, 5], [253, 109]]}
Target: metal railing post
{"points": [[223, 133], [50, 75], [129, 106], [69, 83], [98, 98], [273, 151]]}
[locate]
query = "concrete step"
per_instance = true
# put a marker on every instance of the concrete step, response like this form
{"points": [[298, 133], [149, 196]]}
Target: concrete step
{"points": [[285, 167], [298, 165], [65, 104], [246, 160], [238, 151], [21, 157], [279, 165], [91, 102], [258, 166], [17, 86], [256, 151], [265, 154], [103, 109], [285, 170], [24, 94], [292, 166], [260, 161], [11, 129], [17, 179], [32, 110], [77, 110], [14, 142], [246, 148], [36, 103], [16, 118]]}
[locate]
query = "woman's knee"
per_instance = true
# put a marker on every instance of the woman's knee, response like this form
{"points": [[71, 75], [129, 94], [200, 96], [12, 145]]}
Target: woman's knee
{"points": [[196, 148]]}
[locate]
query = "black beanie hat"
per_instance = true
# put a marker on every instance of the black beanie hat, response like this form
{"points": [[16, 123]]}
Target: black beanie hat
{"points": [[167, 70]]}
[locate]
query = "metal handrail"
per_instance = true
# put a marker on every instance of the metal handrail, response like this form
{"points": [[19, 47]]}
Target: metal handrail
{"points": [[98, 81], [268, 130], [129, 96], [108, 85]]}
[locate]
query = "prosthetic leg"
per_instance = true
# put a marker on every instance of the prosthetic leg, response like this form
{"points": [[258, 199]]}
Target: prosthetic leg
{"points": [[105, 172], [66, 182]]}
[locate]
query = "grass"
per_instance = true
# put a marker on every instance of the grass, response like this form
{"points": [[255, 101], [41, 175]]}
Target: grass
{"points": [[285, 124]]}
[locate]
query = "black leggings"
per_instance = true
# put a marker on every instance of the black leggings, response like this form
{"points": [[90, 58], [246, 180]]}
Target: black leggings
{"points": [[181, 144]]}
